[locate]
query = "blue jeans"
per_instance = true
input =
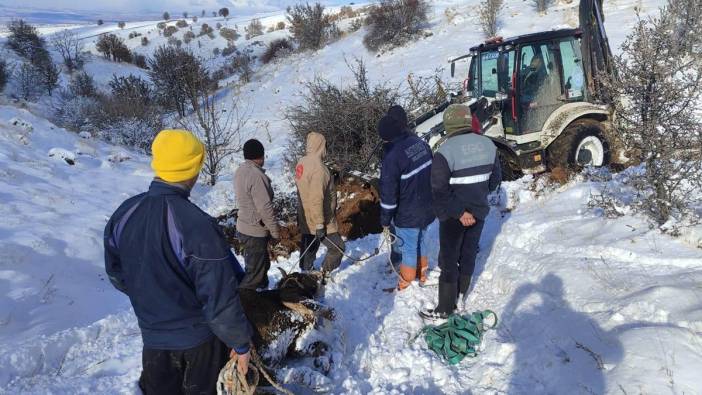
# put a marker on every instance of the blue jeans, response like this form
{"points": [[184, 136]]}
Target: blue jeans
{"points": [[411, 244]]}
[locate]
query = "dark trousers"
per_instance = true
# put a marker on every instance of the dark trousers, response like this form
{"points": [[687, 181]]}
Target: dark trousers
{"points": [[188, 372], [333, 258], [257, 261], [458, 249]]}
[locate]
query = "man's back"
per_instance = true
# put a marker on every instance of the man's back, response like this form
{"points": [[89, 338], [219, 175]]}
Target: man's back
{"points": [[170, 259], [465, 169], [405, 182]]}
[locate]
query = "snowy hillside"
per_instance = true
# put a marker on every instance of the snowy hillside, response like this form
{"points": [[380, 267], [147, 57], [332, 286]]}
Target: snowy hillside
{"points": [[586, 304]]}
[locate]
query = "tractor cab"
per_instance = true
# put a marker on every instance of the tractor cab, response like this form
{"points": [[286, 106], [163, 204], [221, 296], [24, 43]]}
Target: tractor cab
{"points": [[527, 78]]}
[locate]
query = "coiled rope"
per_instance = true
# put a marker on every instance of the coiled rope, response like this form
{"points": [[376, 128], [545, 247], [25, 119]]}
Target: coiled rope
{"points": [[233, 382]]}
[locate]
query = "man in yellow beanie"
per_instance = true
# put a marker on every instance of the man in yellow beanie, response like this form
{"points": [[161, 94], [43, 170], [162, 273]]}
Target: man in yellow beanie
{"points": [[173, 262]]}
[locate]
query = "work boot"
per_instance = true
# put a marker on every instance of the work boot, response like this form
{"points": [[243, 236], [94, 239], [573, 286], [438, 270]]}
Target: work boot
{"points": [[448, 292], [407, 274], [422, 269]]}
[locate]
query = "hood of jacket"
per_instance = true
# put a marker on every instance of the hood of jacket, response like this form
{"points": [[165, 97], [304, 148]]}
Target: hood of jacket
{"points": [[316, 145]]}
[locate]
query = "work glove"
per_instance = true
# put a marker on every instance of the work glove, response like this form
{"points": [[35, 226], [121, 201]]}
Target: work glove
{"points": [[321, 233]]}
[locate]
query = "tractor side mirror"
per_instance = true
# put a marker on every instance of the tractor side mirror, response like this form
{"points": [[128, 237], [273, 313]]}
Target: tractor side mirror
{"points": [[453, 69], [494, 71]]}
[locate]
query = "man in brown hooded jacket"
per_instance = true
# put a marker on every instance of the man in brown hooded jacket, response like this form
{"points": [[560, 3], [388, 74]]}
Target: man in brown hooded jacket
{"points": [[317, 207]]}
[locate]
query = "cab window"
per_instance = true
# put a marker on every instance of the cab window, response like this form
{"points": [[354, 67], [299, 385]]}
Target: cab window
{"points": [[488, 73], [573, 75]]}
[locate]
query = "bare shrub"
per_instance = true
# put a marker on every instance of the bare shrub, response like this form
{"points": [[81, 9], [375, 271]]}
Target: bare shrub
{"points": [[4, 75], [100, 22], [161, 25], [347, 116], [229, 49], [206, 29], [82, 84], [174, 42], [224, 12], [229, 34], [425, 92], [489, 13], [310, 27], [75, 112], [254, 29], [392, 23], [542, 5], [129, 115], [169, 31], [242, 64], [182, 24], [166, 16], [218, 25], [216, 51], [139, 60], [70, 47], [347, 12], [144, 41], [188, 37], [277, 49], [194, 18], [356, 25], [280, 26], [121, 25], [134, 35], [656, 92]]}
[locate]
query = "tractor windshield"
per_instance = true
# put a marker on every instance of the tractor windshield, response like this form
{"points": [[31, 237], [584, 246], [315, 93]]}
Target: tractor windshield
{"points": [[491, 72]]}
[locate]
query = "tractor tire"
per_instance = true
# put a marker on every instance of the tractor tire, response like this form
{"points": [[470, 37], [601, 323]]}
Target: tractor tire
{"points": [[581, 144], [509, 166]]}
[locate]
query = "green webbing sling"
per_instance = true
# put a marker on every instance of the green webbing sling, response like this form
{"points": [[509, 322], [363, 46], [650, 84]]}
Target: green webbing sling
{"points": [[459, 337]]}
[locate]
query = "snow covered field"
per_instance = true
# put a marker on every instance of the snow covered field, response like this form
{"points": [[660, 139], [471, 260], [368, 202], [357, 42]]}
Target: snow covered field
{"points": [[586, 304]]}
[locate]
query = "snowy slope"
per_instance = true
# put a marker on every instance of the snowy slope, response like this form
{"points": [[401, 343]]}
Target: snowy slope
{"points": [[586, 304]]}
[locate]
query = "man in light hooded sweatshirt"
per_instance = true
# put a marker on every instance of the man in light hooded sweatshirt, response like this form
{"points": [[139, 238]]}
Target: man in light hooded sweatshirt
{"points": [[317, 207]]}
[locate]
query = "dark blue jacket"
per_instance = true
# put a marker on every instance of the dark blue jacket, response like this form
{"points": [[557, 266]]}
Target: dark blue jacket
{"points": [[466, 168], [405, 183], [175, 265]]}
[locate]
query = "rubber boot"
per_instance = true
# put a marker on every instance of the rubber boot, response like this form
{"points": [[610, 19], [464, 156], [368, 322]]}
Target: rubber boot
{"points": [[407, 274], [463, 284], [448, 292], [422, 269]]}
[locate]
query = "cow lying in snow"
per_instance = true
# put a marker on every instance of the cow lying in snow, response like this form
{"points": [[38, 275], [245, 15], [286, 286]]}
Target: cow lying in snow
{"points": [[283, 318]]}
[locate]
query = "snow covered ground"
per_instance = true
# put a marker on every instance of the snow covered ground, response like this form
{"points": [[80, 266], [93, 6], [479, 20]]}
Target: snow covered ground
{"points": [[586, 304]]}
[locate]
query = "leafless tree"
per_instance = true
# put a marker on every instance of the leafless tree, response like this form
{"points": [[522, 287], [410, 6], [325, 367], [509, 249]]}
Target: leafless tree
{"points": [[70, 47], [27, 82], [489, 13], [254, 29], [657, 90], [220, 129]]}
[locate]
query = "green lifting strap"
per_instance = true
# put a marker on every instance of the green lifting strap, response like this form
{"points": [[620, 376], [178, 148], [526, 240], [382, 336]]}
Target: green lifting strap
{"points": [[459, 336]]}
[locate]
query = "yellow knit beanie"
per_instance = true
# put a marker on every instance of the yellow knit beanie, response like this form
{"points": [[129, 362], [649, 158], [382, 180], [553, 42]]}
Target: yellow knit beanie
{"points": [[177, 155]]}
